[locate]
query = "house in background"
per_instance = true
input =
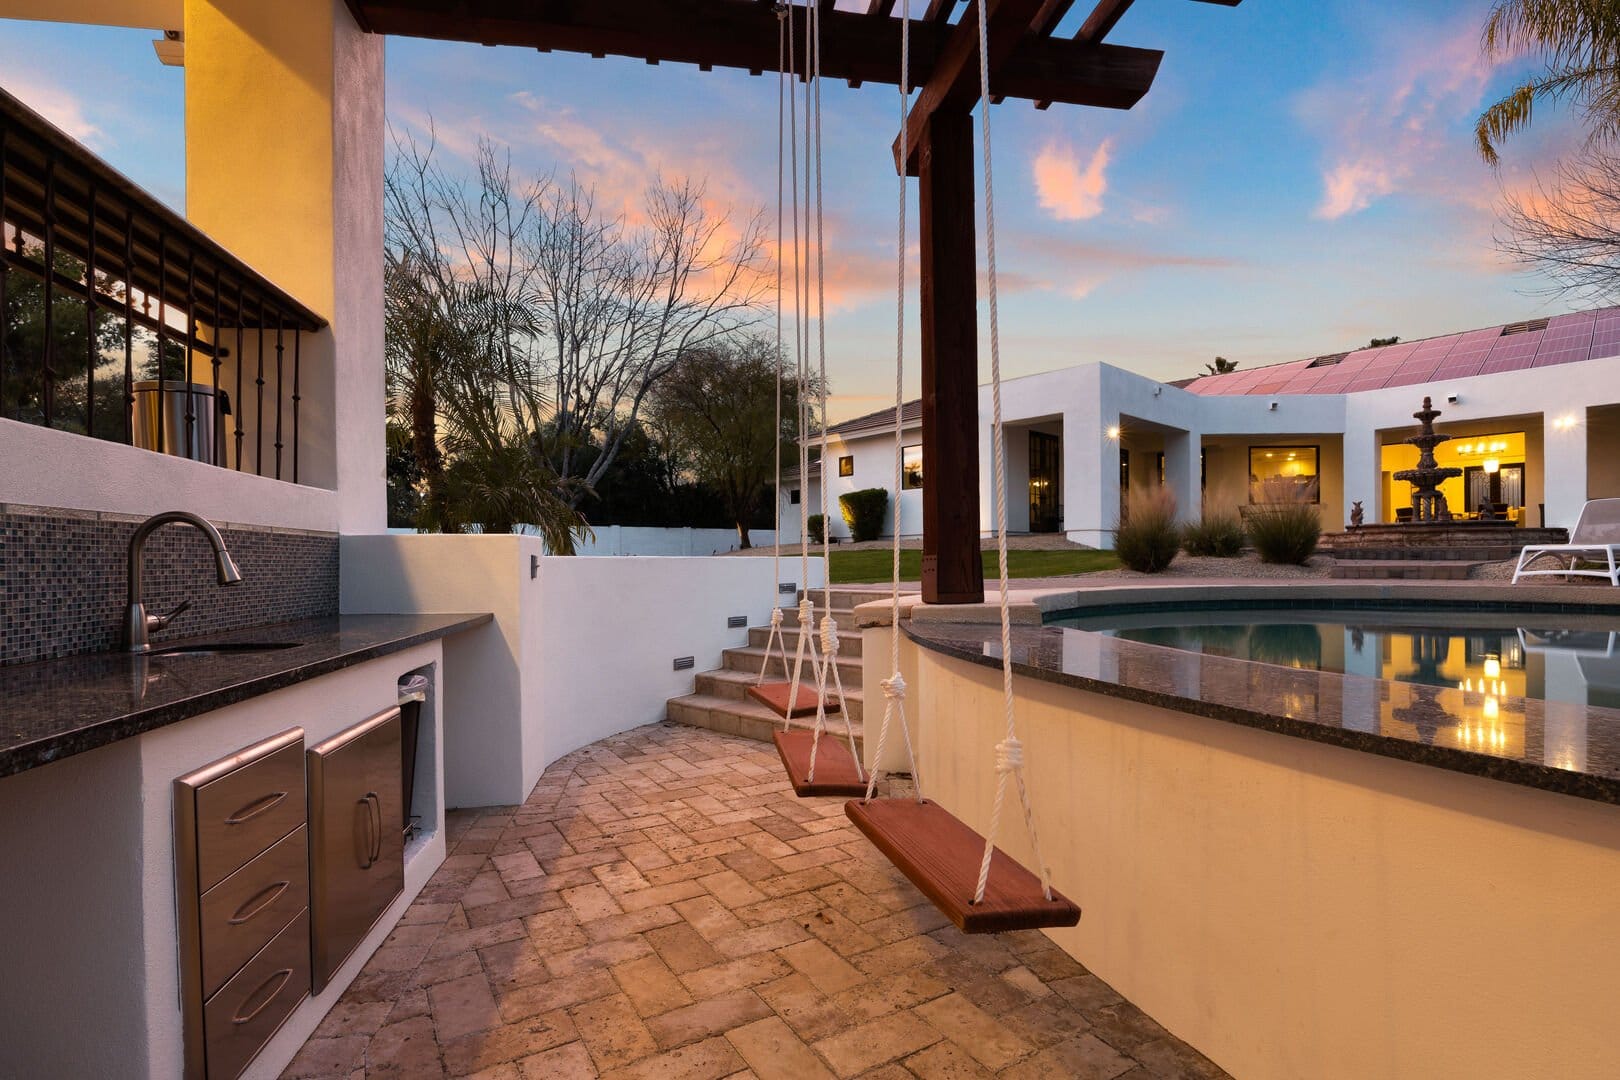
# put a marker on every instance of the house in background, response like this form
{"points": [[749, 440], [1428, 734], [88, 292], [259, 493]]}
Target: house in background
{"points": [[1532, 408]]}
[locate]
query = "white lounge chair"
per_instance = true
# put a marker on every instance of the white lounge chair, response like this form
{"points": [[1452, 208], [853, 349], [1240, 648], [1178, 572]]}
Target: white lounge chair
{"points": [[1596, 537]]}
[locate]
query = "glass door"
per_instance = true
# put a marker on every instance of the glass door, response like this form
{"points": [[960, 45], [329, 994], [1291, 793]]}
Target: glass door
{"points": [[1045, 469]]}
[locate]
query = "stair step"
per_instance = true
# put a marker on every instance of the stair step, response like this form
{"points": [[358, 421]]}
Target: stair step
{"points": [[844, 617], [849, 642], [1403, 569], [745, 718], [733, 685], [752, 658]]}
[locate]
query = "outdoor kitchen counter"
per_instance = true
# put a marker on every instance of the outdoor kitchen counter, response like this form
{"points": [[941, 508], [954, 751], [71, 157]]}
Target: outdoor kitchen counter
{"points": [[55, 709], [1572, 749]]}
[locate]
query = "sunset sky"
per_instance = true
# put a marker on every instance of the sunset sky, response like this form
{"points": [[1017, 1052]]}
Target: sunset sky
{"points": [[1300, 179]]}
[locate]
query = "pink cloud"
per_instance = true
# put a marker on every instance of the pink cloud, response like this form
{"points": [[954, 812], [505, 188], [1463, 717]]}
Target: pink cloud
{"points": [[1400, 124], [1068, 190]]}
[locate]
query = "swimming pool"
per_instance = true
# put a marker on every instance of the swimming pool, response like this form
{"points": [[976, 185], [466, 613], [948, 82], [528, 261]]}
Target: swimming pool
{"points": [[1501, 655]]}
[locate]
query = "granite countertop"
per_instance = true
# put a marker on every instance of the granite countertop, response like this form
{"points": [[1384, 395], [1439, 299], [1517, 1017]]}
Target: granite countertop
{"points": [[57, 708], [1572, 749]]}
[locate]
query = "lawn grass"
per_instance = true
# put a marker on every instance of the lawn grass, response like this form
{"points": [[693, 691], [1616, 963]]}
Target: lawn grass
{"points": [[874, 564]]}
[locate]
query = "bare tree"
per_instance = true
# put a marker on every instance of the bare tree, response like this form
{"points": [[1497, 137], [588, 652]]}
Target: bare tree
{"points": [[522, 313], [1569, 227], [620, 305]]}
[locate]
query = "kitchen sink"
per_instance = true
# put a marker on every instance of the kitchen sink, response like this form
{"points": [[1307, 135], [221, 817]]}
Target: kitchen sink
{"points": [[223, 648]]}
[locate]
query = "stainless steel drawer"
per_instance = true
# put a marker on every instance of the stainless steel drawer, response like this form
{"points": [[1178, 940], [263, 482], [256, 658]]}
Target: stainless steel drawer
{"points": [[243, 912], [248, 809], [247, 1010]]}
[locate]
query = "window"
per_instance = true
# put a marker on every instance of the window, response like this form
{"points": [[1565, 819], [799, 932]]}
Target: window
{"points": [[846, 465], [793, 497], [1283, 474], [911, 468]]}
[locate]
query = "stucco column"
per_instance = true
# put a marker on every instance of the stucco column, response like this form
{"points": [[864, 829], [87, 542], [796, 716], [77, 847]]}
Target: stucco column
{"points": [[1181, 473], [1090, 478], [1564, 467], [284, 162], [1361, 479]]}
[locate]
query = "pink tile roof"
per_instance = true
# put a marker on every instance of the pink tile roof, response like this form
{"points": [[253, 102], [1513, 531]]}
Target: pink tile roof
{"points": [[1564, 339]]}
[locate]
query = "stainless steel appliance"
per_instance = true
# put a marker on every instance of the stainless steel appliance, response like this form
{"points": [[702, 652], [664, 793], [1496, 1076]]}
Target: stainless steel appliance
{"points": [[241, 875], [356, 837]]}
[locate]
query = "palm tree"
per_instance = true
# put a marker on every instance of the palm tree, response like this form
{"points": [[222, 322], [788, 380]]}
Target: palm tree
{"points": [[1221, 366], [1580, 41]]}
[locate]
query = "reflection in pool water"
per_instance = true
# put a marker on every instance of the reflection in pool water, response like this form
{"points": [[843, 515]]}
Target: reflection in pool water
{"points": [[1463, 650], [1469, 672]]}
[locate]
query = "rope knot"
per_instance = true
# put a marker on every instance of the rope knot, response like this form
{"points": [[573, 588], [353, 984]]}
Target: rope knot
{"points": [[829, 636], [781, 10], [776, 617], [1009, 755], [894, 687]]}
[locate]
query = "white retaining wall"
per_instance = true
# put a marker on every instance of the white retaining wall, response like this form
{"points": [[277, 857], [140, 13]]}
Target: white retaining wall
{"points": [[580, 649]]}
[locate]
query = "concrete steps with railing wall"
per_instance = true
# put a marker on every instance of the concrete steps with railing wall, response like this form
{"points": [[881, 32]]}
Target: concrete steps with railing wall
{"points": [[720, 701]]}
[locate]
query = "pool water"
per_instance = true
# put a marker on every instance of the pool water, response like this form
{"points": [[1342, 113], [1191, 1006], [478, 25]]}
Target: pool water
{"points": [[1499, 654]]}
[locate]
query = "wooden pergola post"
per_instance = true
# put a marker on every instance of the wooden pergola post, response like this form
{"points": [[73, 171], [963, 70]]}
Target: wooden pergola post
{"points": [[952, 571]]}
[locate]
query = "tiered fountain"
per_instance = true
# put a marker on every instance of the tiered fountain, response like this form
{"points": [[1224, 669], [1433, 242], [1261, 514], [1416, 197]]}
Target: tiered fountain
{"points": [[1434, 544], [1428, 502]]}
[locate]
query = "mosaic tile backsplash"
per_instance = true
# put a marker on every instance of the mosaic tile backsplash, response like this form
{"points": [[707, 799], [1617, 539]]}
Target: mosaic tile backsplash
{"points": [[64, 580]]}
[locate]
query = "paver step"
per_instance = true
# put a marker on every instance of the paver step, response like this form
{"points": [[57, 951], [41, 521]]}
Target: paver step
{"points": [[849, 641], [844, 617], [752, 658], [745, 718], [1405, 569], [733, 685]]}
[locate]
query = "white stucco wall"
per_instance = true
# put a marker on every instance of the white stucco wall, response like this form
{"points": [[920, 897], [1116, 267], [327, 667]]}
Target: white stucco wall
{"points": [[580, 650]]}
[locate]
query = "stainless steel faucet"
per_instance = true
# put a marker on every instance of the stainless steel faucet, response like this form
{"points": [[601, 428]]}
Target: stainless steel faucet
{"points": [[138, 625]]}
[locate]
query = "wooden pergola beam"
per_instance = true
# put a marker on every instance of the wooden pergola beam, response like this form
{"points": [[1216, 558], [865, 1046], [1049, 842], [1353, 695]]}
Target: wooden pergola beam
{"points": [[1116, 76], [857, 46]]}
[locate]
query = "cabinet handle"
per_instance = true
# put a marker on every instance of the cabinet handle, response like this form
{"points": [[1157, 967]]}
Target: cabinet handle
{"points": [[367, 860], [255, 808], [265, 897], [377, 844], [280, 979]]}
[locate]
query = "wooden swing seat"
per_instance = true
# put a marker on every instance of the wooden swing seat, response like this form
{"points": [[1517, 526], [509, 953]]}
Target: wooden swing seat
{"points": [[941, 856], [835, 766], [775, 695]]}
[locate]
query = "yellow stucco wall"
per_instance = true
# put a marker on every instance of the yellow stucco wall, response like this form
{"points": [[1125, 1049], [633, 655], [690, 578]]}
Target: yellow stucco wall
{"points": [[259, 137], [1299, 910]]}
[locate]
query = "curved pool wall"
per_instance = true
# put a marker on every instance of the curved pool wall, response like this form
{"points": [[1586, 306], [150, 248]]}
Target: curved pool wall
{"points": [[1269, 874]]}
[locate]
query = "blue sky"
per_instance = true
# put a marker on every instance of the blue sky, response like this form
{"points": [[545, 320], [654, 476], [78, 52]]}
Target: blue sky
{"points": [[1301, 177]]}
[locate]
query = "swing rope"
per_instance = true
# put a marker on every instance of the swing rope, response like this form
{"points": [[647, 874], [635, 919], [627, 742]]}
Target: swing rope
{"points": [[801, 343], [829, 626], [894, 687], [775, 642], [1009, 752]]}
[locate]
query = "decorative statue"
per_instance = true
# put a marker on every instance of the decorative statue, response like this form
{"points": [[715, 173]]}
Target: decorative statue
{"points": [[1355, 514]]}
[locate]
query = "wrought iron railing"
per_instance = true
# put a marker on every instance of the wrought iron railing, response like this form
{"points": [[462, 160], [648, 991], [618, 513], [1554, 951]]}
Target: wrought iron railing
{"points": [[121, 320]]}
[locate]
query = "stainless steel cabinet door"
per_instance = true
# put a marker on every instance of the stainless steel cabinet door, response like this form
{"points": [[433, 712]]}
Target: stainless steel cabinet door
{"points": [[356, 823]]}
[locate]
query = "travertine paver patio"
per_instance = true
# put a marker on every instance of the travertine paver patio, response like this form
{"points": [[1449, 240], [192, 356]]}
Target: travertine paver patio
{"points": [[663, 907]]}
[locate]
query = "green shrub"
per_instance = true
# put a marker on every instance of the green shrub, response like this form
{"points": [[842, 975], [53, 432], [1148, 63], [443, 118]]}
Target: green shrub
{"points": [[863, 512], [1220, 535], [818, 525], [1285, 532], [1147, 538]]}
